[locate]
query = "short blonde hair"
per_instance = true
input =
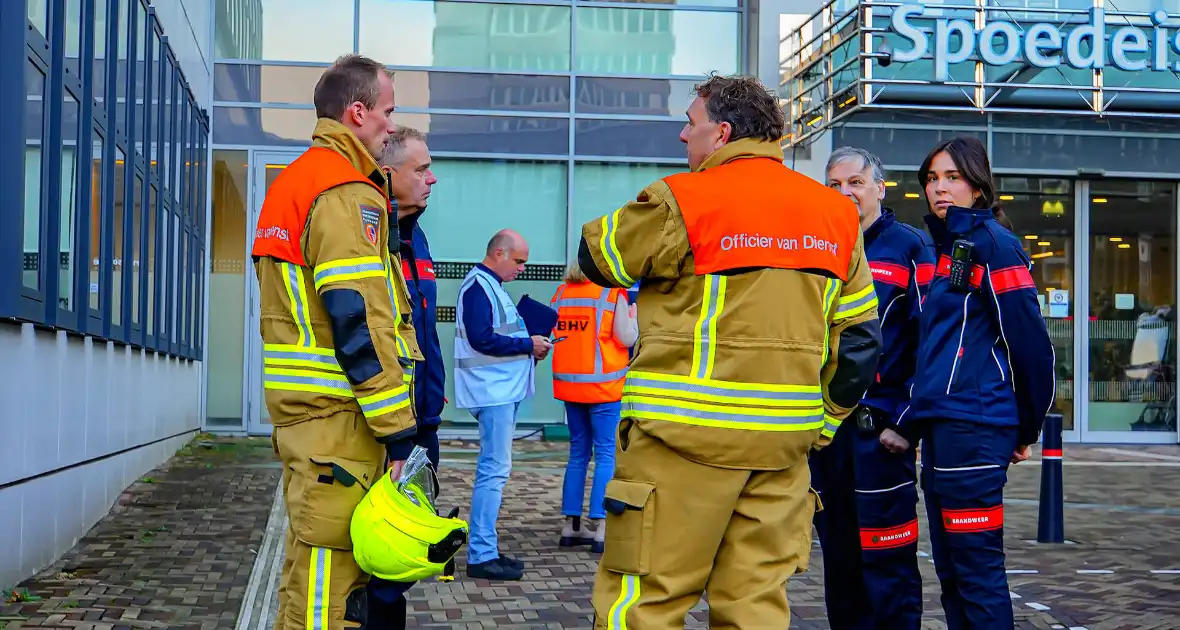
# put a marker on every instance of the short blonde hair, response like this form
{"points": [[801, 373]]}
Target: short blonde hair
{"points": [[573, 273]]}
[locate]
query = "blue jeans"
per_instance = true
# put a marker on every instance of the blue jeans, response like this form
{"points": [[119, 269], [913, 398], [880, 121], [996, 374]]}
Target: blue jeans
{"points": [[591, 426], [496, 424]]}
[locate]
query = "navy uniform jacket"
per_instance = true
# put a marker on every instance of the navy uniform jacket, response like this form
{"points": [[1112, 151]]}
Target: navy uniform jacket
{"points": [[901, 258], [984, 354], [430, 374]]}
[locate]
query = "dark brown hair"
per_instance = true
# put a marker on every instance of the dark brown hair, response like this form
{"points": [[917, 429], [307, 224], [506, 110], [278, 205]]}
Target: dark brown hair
{"points": [[970, 157], [353, 78], [744, 103]]}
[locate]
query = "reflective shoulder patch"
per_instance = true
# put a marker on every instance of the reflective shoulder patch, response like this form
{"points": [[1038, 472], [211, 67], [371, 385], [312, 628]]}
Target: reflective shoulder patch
{"points": [[371, 222]]}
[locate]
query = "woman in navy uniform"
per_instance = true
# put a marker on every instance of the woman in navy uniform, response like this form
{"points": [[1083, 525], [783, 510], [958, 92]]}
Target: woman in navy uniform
{"points": [[983, 384]]}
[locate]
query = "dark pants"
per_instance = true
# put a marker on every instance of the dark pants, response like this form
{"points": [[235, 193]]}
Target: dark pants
{"points": [[964, 469], [387, 600], [868, 531]]}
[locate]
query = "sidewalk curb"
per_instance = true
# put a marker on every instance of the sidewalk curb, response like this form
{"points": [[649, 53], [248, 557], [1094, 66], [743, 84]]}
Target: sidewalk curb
{"points": [[268, 564]]}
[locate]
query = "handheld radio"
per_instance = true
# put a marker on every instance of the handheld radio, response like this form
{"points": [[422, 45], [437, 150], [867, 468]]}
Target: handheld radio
{"points": [[960, 273]]}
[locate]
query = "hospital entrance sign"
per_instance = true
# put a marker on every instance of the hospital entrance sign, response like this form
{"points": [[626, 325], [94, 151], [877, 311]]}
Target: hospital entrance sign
{"points": [[1042, 45]]}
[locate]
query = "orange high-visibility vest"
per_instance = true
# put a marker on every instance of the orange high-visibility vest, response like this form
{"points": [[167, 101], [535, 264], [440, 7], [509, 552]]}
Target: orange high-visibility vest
{"points": [[750, 213], [589, 364], [288, 202]]}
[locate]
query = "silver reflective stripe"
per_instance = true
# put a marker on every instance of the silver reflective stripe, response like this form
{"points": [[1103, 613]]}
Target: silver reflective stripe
{"points": [[483, 359], [296, 355], [327, 380], [589, 378], [504, 329], [706, 341], [861, 301], [830, 426], [295, 278], [599, 303], [714, 416], [343, 270], [384, 405], [816, 397]]}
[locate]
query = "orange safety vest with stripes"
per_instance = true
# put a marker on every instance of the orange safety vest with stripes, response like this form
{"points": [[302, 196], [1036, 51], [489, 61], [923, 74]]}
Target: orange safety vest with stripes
{"points": [[589, 364], [288, 202]]}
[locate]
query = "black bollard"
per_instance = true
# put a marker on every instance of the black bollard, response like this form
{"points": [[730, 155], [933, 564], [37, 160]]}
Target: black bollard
{"points": [[1051, 517]]}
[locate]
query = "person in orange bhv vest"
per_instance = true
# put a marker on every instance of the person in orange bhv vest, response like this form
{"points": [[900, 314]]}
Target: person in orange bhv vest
{"points": [[760, 336], [338, 346], [595, 328]]}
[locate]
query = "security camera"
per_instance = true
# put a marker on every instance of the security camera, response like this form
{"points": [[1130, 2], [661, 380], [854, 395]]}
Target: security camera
{"points": [[887, 51]]}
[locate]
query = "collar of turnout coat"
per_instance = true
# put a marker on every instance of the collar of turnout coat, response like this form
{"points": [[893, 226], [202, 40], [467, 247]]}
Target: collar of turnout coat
{"points": [[333, 135], [743, 149]]}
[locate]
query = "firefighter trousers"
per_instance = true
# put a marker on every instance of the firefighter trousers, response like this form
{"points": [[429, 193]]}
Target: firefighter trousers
{"points": [[964, 469], [328, 465], [868, 531], [676, 528]]}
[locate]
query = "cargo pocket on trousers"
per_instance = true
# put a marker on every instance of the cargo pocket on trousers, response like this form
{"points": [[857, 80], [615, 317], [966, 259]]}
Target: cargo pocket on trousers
{"points": [[805, 543], [331, 495], [630, 522]]}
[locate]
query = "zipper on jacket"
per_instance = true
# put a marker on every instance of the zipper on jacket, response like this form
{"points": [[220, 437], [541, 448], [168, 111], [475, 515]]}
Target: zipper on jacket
{"points": [[959, 351], [887, 308], [1003, 377]]}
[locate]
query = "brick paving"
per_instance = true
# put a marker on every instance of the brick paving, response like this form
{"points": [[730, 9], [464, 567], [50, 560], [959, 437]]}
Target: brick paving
{"points": [[179, 547]]}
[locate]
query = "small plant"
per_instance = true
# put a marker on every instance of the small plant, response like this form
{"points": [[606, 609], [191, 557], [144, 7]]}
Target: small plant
{"points": [[20, 596]]}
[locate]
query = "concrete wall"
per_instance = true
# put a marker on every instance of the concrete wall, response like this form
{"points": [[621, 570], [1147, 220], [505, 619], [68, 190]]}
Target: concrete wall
{"points": [[81, 420]]}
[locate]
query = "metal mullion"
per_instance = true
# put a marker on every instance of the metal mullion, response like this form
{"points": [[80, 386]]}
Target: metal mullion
{"points": [[698, 8], [51, 153], [623, 159], [632, 117], [14, 56], [1081, 333]]}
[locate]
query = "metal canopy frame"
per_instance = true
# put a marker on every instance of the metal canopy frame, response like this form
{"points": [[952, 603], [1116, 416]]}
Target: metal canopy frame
{"points": [[832, 69]]}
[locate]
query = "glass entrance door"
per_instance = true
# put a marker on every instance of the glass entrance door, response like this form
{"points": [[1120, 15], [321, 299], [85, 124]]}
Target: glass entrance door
{"points": [[1131, 349], [265, 166]]}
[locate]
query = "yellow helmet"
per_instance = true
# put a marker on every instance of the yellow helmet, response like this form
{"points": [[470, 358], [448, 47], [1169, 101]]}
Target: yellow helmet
{"points": [[397, 534]]}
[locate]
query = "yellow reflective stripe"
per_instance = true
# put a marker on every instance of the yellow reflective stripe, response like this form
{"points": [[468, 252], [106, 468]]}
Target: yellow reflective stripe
{"points": [[403, 350], [831, 287], [319, 588], [704, 334], [831, 424], [857, 303], [297, 294], [628, 595], [385, 402], [610, 249], [275, 354], [348, 269], [773, 396], [297, 380]]}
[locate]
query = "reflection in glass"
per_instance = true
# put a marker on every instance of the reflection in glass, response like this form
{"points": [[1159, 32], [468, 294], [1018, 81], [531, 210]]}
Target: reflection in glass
{"points": [[123, 21], [227, 243], [74, 35], [1042, 214], [176, 251], [117, 228], [288, 30], [600, 188], [67, 208], [645, 97], [655, 41], [468, 188], [34, 134], [515, 37], [39, 15], [631, 138], [96, 219], [150, 271], [134, 246], [99, 84], [1132, 306]]}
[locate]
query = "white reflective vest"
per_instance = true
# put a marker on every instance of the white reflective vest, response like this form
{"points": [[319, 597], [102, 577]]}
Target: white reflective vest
{"points": [[482, 380]]}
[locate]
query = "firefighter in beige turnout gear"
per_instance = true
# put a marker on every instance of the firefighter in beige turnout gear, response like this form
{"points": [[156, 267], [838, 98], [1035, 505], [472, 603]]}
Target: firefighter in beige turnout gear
{"points": [[758, 336], [337, 341]]}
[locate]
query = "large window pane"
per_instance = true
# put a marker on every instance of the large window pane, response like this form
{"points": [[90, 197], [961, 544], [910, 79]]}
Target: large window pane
{"points": [[288, 30], [117, 228], [39, 15], [123, 20], [695, 3], [175, 252], [227, 243], [100, 55], [468, 189], [74, 35], [1132, 306], [599, 189], [67, 209], [466, 35], [448, 132], [646, 97], [134, 247], [154, 81], [150, 270], [654, 41], [34, 136], [631, 138], [96, 219]]}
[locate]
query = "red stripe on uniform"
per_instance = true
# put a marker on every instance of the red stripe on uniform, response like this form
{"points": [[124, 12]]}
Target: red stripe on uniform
{"points": [[425, 269], [1050, 452], [890, 273], [889, 537], [944, 269], [973, 520], [925, 273], [1012, 279]]}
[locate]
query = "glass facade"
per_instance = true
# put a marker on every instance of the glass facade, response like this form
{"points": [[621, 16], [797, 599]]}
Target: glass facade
{"points": [[104, 212], [1104, 252], [539, 116]]}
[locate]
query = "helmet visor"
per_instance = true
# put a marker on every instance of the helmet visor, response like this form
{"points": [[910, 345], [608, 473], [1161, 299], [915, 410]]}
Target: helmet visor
{"points": [[418, 481]]}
